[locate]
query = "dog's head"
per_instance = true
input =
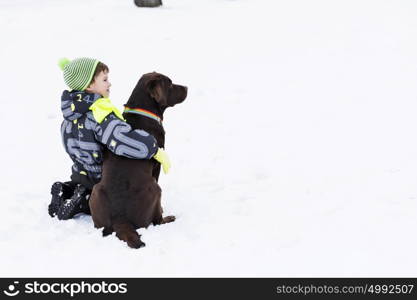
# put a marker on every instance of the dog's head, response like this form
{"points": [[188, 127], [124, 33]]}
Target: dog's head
{"points": [[162, 90]]}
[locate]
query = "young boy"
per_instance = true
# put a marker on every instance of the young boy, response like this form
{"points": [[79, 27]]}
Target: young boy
{"points": [[92, 122]]}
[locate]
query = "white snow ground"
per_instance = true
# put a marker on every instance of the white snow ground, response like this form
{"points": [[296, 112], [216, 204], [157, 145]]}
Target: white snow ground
{"points": [[293, 155]]}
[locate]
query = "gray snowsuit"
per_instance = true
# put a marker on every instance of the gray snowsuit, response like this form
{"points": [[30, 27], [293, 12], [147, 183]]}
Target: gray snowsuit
{"points": [[85, 138]]}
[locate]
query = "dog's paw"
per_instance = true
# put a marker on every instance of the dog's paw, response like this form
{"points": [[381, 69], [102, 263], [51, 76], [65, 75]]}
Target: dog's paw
{"points": [[136, 244], [168, 219], [107, 231]]}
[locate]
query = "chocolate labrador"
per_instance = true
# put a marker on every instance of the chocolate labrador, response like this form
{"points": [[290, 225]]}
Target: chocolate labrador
{"points": [[128, 196]]}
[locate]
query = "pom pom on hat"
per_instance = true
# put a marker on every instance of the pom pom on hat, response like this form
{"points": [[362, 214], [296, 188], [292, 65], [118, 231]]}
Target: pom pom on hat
{"points": [[63, 62]]}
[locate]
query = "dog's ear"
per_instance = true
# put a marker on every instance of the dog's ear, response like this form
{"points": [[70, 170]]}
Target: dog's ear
{"points": [[156, 90]]}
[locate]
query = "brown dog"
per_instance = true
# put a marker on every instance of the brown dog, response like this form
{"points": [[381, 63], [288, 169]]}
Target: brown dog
{"points": [[128, 196]]}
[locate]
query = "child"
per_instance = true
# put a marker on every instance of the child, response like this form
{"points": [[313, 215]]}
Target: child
{"points": [[92, 122]]}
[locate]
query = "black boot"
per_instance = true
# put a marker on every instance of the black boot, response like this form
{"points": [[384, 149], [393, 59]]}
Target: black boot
{"points": [[59, 192], [85, 205], [70, 207]]}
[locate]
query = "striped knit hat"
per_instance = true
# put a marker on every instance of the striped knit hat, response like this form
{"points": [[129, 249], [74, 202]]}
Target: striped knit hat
{"points": [[79, 72]]}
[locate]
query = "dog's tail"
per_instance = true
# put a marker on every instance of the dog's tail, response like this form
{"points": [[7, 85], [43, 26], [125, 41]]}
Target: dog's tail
{"points": [[127, 232]]}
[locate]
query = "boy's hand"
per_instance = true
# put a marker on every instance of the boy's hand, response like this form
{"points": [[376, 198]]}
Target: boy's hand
{"points": [[162, 157]]}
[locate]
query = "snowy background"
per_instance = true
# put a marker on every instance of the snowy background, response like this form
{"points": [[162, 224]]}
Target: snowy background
{"points": [[295, 153]]}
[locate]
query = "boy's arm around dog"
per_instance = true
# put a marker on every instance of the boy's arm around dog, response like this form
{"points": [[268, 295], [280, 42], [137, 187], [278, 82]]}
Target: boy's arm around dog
{"points": [[108, 128], [136, 144], [119, 137]]}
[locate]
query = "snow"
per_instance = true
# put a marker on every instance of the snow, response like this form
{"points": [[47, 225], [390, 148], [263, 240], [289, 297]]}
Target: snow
{"points": [[293, 155]]}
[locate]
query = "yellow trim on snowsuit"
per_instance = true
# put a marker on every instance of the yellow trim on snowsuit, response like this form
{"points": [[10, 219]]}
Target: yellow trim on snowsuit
{"points": [[102, 107]]}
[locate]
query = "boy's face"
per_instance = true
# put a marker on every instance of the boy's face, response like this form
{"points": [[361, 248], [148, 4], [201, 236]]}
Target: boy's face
{"points": [[101, 85]]}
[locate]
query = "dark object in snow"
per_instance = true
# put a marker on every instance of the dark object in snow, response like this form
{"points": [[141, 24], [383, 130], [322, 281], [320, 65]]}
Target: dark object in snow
{"points": [[128, 195], [68, 199], [148, 3], [75, 205], [59, 192]]}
